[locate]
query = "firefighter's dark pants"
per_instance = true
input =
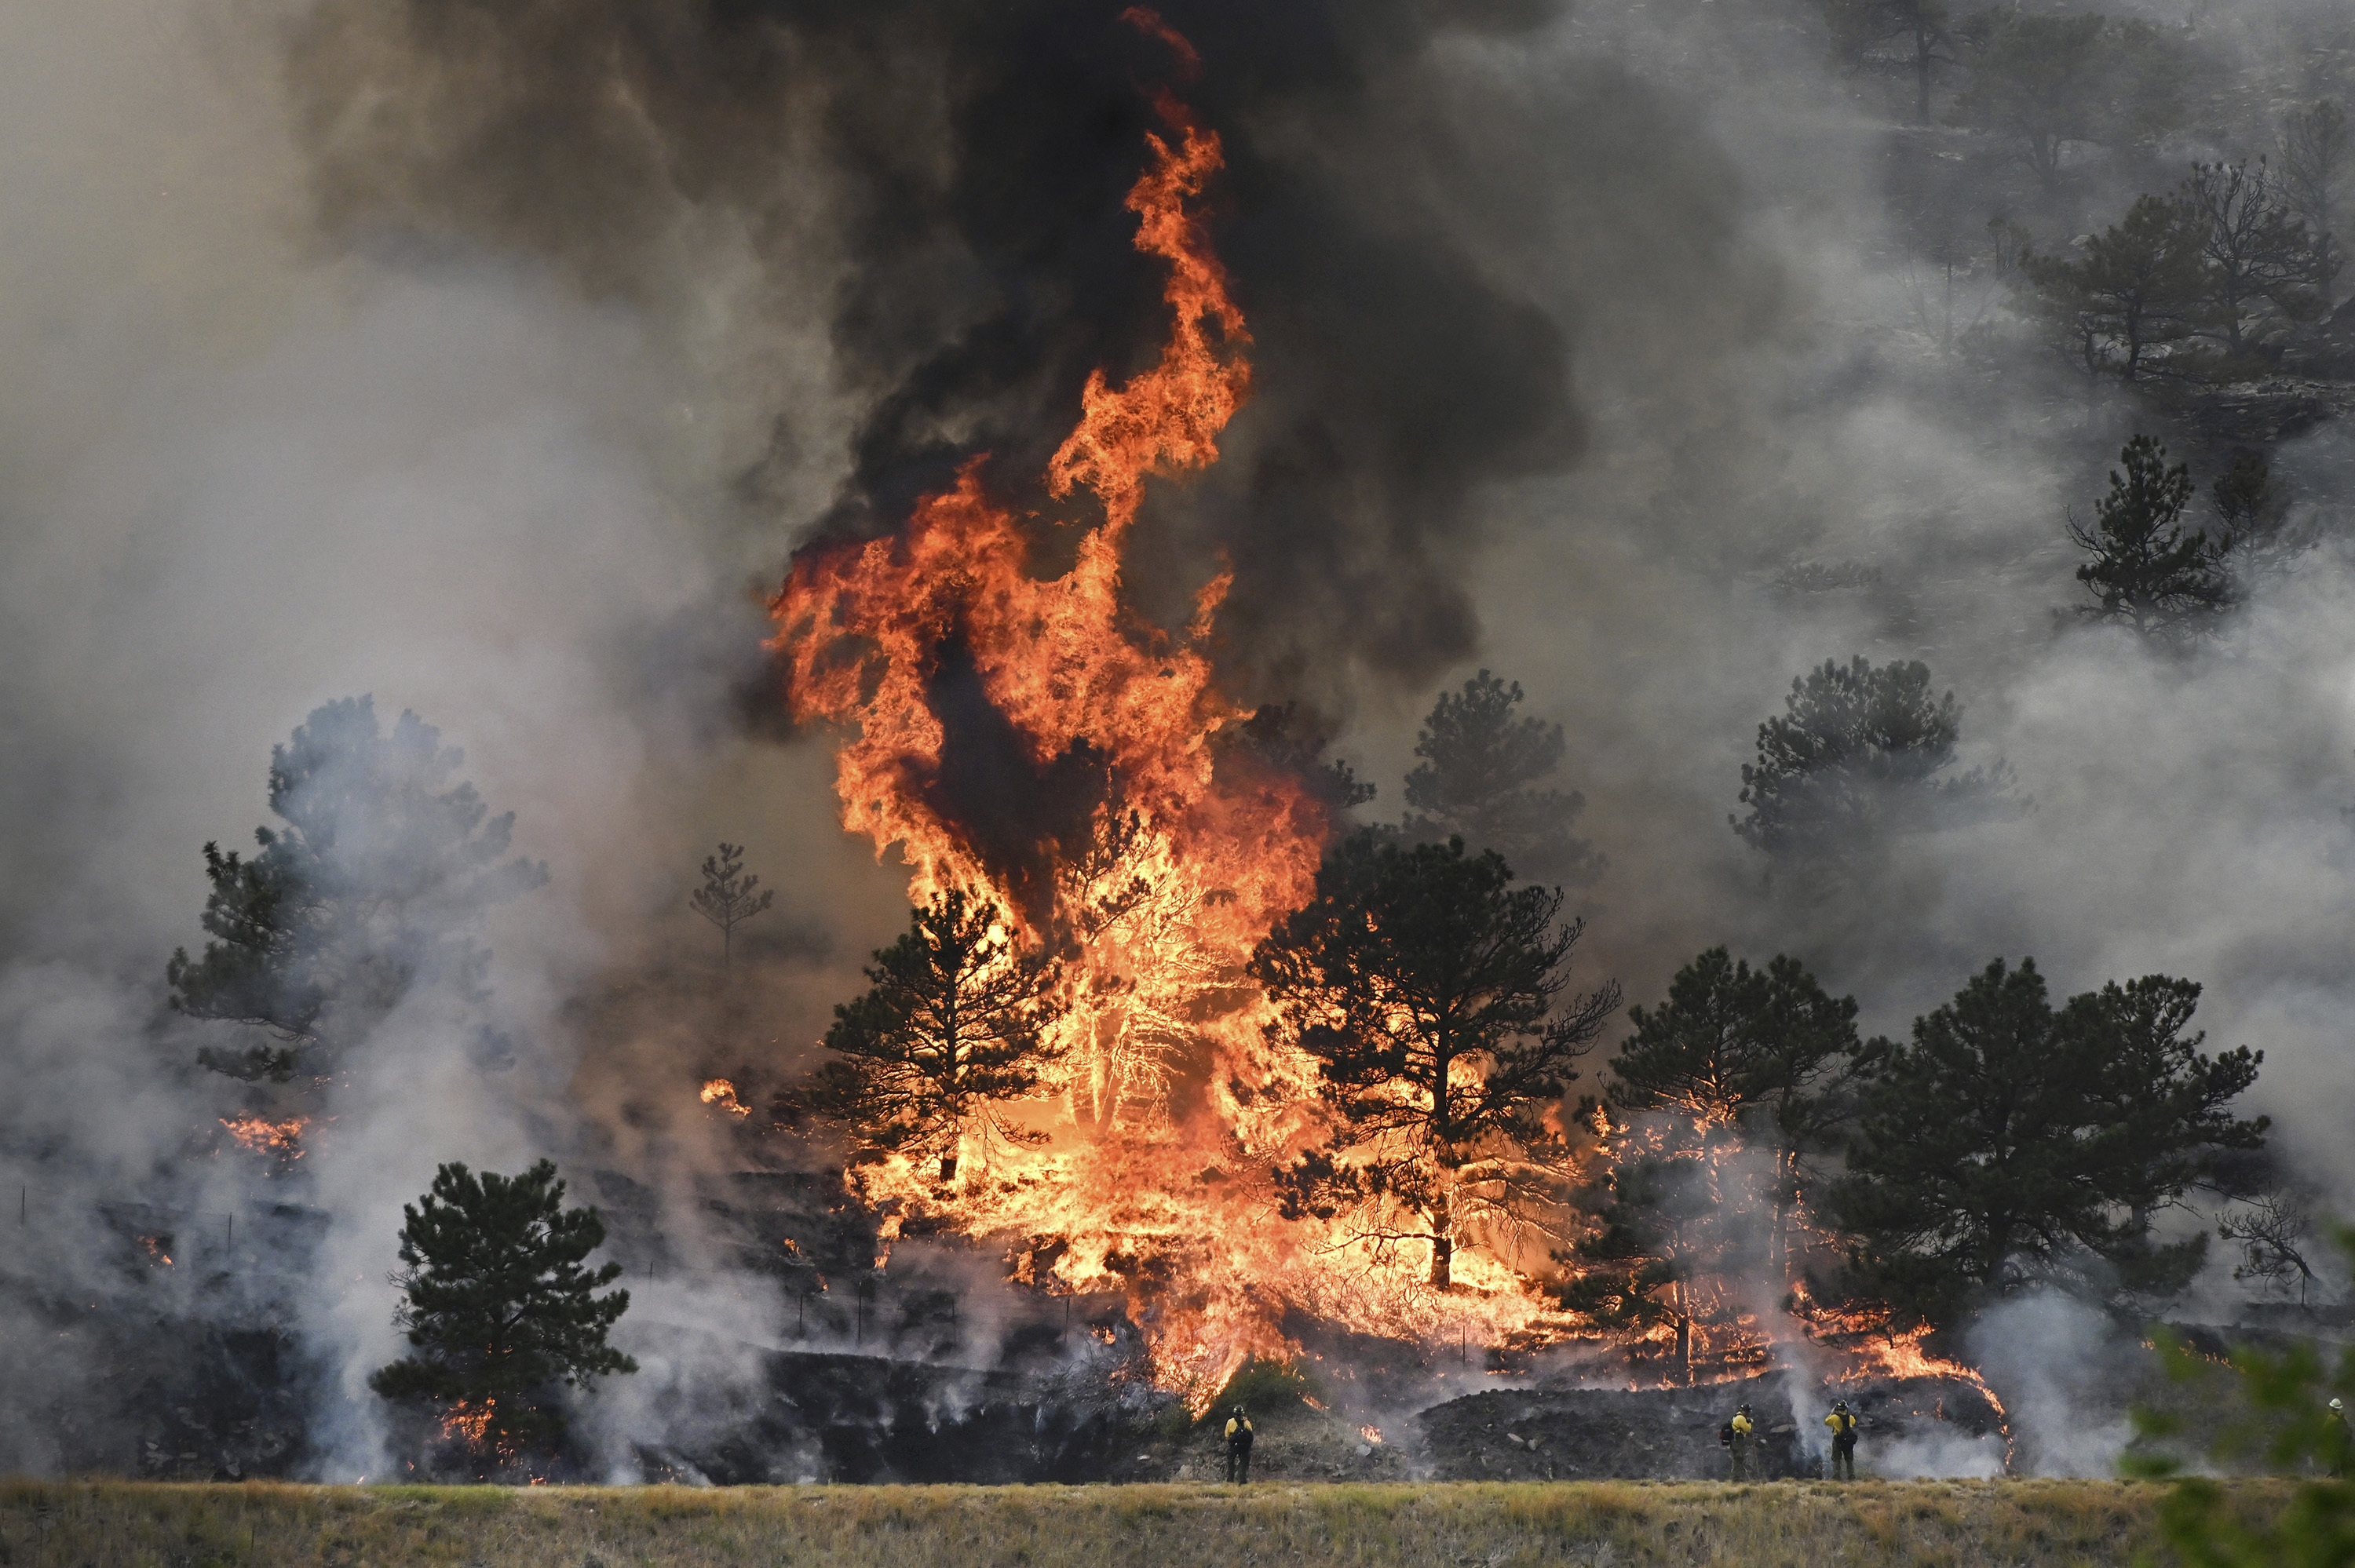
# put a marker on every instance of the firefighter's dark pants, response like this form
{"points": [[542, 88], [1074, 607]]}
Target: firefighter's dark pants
{"points": [[1844, 1458], [1239, 1463]]}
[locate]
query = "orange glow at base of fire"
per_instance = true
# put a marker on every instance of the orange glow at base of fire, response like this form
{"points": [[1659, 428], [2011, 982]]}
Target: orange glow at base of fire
{"points": [[263, 1136]]}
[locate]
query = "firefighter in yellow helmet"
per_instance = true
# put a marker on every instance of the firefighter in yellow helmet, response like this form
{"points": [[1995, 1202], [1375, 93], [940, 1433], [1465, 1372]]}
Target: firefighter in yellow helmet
{"points": [[1744, 1434], [1239, 1447], [1842, 1420]]}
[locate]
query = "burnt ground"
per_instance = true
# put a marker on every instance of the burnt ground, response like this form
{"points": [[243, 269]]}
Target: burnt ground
{"points": [[1540, 1434]]}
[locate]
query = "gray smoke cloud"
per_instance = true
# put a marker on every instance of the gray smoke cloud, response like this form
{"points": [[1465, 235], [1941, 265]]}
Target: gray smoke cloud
{"points": [[492, 360]]}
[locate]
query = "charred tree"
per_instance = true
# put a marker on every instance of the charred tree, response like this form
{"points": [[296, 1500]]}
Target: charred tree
{"points": [[2256, 248], [499, 1311], [376, 885], [2315, 151], [956, 1024], [1435, 997]]}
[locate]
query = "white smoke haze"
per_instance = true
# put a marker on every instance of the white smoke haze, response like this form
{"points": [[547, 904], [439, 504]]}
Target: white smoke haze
{"points": [[245, 469]]}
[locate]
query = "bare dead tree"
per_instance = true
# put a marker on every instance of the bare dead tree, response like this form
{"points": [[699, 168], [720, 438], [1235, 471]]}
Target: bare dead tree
{"points": [[2272, 1233]]}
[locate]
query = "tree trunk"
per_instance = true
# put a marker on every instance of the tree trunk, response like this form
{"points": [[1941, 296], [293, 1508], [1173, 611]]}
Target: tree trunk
{"points": [[1442, 1258], [1778, 1244], [948, 1168], [1923, 45], [1684, 1350]]}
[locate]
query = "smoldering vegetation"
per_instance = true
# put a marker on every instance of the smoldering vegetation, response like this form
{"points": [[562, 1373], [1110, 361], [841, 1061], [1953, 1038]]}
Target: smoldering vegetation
{"points": [[492, 359]]}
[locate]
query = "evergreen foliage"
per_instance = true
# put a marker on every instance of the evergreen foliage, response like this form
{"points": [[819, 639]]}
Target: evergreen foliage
{"points": [[1434, 995], [2143, 569], [956, 1023], [728, 897], [2139, 290], [375, 884], [2011, 1144], [2283, 1423], [1766, 1055], [497, 1306], [1737, 1064], [1858, 753], [1481, 780]]}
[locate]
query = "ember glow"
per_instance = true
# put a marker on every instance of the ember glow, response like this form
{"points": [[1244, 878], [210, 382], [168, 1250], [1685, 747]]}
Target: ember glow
{"points": [[263, 1136], [1170, 1108], [721, 1093]]}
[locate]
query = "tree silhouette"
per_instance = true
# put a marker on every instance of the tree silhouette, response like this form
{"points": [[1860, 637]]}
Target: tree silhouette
{"points": [[1856, 753], [957, 1023], [2140, 286], [2144, 568], [728, 897], [497, 1306], [377, 884], [1426, 984], [1762, 1057], [1479, 780], [2011, 1144]]}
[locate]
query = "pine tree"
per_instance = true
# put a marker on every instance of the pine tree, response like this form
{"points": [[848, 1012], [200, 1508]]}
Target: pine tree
{"points": [[1434, 995], [957, 1023], [2010, 1144], [377, 884], [728, 897], [2143, 569], [2138, 289], [1480, 780], [1760, 1059], [1858, 753], [497, 1306]]}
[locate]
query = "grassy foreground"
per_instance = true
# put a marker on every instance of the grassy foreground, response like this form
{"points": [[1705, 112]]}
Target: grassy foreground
{"points": [[1604, 1524]]}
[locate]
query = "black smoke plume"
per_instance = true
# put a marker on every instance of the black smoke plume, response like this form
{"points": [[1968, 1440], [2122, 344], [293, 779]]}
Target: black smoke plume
{"points": [[960, 170]]}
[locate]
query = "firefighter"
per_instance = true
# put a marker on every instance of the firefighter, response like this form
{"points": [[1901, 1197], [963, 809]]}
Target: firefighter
{"points": [[1843, 1426], [2339, 1441], [1743, 1434], [1238, 1445]]}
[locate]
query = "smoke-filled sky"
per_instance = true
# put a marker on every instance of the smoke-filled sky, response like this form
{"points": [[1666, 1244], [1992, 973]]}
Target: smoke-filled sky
{"points": [[491, 358]]}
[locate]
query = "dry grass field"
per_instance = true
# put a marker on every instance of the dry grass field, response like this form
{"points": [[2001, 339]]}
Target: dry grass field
{"points": [[1933, 1524]]}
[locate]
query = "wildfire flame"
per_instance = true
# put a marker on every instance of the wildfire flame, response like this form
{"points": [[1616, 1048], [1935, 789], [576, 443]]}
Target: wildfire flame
{"points": [[1169, 1108], [470, 1422], [721, 1093], [263, 1136], [1174, 875]]}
